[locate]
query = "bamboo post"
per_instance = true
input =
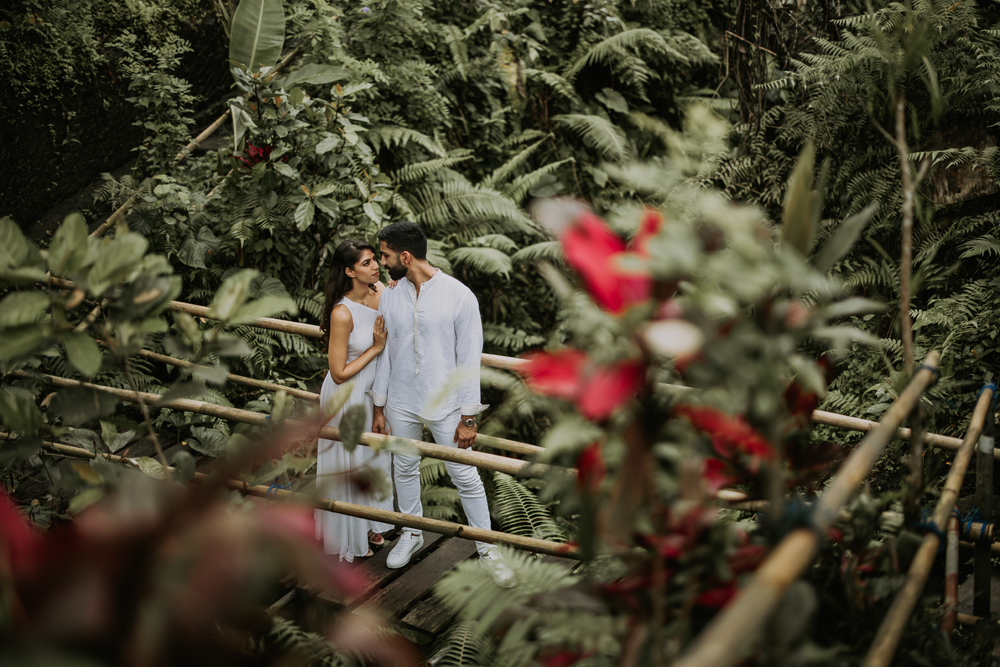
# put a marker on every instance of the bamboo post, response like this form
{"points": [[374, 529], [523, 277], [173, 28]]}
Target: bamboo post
{"points": [[483, 460], [449, 528], [205, 134], [889, 632], [984, 503], [950, 607], [723, 642]]}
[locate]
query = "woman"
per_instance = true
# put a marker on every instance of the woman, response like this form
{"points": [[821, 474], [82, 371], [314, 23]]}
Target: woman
{"points": [[356, 336]]}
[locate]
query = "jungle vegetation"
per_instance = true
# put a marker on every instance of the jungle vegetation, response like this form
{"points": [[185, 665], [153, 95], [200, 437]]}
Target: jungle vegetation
{"points": [[745, 155]]}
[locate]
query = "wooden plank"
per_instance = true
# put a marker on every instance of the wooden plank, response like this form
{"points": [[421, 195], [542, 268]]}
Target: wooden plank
{"points": [[397, 597], [375, 573], [430, 616]]}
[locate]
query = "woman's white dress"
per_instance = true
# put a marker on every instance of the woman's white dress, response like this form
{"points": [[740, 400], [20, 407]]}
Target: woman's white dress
{"points": [[344, 535]]}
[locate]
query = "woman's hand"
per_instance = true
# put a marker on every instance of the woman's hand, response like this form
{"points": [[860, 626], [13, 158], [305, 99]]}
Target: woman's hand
{"points": [[380, 333]]}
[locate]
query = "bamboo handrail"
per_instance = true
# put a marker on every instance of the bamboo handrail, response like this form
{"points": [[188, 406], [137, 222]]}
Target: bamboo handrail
{"points": [[448, 528], [514, 364], [728, 635], [184, 152], [483, 460], [891, 629], [482, 440]]}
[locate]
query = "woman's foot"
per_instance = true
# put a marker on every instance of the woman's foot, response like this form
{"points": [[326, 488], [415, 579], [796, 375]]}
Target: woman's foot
{"points": [[375, 539]]}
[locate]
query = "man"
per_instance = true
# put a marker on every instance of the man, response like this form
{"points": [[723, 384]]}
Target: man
{"points": [[434, 331]]}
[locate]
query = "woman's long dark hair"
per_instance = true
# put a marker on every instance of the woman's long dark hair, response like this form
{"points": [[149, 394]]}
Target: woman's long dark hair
{"points": [[346, 256]]}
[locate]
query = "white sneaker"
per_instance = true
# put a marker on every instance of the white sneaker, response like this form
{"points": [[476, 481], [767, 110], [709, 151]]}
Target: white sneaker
{"points": [[408, 544], [493, 562]]}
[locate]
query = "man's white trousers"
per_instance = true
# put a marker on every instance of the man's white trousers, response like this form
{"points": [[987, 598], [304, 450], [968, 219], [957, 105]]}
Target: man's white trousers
{"points": [[406, 473]]}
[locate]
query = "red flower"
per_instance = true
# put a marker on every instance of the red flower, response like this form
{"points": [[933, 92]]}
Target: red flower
{"points": [[555, 373], [731, 436], [608, 387], [590, 469], [596, 390], [717, 597], [716, 475], [649, 226], [593, 250], [562, 658]]}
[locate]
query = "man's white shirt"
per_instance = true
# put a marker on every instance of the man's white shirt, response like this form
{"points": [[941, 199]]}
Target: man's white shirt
{"points": [[434, 341]]}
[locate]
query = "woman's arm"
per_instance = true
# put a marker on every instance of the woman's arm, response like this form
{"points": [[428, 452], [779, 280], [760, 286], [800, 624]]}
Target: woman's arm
{"points": [[341, 325]]}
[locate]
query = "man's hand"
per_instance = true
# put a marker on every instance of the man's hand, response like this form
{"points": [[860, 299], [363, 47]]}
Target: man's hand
{"points": [[465, 435], [378, 420]]}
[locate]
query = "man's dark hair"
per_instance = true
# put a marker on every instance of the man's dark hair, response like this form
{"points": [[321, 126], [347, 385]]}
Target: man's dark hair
{"points": [[405, 236]]}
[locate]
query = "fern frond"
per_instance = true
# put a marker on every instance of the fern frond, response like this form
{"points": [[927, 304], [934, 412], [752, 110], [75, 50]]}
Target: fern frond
{"points": [[504, 171], [518, 189], [598, 133], [520, 512], [617, 45], [486, 260], [556, 83], [418, 171], [465, 644], [389, 136], [548, 250]]}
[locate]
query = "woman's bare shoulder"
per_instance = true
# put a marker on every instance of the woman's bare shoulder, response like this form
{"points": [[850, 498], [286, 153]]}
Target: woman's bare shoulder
{"points": [[341, 317]]}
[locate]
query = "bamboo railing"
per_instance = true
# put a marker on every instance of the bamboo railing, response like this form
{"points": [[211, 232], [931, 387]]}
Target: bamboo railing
{"points": [[513, 364], [891, 629], [482, 440], [448, 528], [510, 466], [730, 633]]}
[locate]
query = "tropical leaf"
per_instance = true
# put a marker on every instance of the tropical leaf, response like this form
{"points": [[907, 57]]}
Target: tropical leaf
{"points": [[487, 260], [520, 512], [257, 35], [617, 44], [598, 133]]}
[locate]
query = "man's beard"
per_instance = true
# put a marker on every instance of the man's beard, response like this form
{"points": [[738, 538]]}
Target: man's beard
{"points": [[396, 272]]}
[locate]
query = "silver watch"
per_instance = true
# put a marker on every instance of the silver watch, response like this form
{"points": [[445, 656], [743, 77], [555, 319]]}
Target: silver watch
{"points": [[469, 422]]}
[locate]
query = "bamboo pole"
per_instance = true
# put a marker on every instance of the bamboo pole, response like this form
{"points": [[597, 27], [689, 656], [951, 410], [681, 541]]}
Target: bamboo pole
{"points": [[482, 440], [205, 134], [514, 364], [891, 629], [950, 607], [238, 379], [483, 460], [984, 502], [730, 633], [448, 528]]}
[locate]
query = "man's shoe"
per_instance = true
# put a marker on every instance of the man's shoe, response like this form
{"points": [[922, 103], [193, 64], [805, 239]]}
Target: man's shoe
{"points": [[401, 554], [494, 563]]}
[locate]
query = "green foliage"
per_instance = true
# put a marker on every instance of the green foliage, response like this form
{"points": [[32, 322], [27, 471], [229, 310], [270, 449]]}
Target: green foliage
{"points": [[163, 100], [256, 34]]}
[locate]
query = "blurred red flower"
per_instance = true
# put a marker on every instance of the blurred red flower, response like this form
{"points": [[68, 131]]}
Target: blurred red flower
{"points": [[555, 373], [732, 437], [597, 390], [590, 468], [593, 250]]}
